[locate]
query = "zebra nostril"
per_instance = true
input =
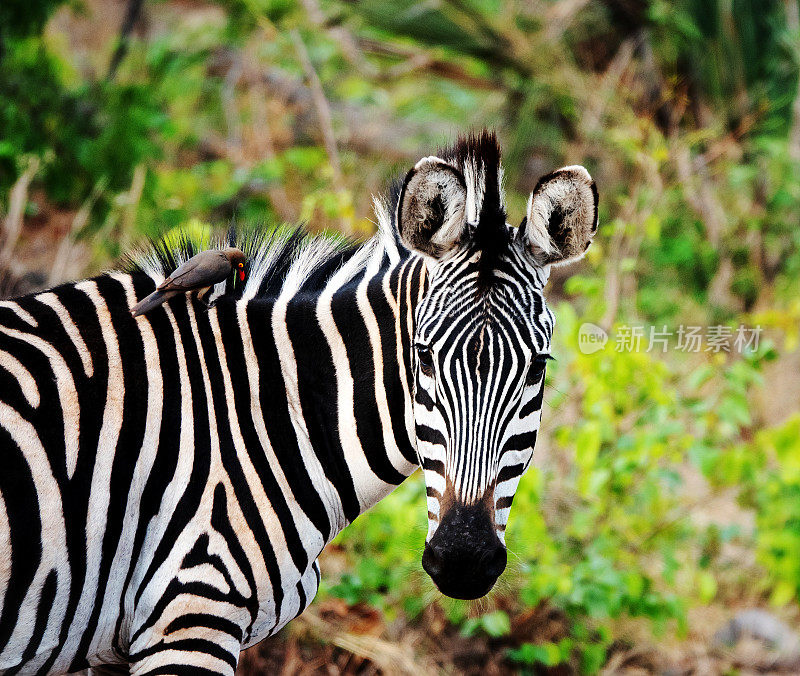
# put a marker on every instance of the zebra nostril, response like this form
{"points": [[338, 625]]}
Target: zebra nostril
{"points": [[496, 561], [432, 561]]}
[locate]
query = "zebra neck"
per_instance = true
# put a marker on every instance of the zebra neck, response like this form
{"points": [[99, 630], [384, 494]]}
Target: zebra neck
{"points": [[345, 358]]}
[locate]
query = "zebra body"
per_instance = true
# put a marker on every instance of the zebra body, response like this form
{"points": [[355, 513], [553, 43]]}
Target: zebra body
{"points": [[168, 482]]}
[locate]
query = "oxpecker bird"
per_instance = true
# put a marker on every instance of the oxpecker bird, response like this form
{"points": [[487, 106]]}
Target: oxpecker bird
{"points": [[198, 274]]}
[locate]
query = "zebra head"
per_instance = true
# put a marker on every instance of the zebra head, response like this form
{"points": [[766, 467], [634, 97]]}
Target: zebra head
{"points": [[481, 341]]}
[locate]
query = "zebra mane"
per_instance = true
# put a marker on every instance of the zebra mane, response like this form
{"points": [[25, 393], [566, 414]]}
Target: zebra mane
{"points": [[279, 259]]}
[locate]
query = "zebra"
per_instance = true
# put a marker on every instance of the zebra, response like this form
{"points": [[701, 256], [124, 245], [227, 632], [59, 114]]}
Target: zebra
{"points": [[169, 481]]}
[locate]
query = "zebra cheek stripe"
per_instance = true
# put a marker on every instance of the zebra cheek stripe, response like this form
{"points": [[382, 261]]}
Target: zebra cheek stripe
{"points": [[169, 481]]}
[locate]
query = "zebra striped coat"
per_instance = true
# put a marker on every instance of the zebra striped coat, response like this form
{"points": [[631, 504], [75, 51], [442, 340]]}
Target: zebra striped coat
{"points": [[168, 482]]}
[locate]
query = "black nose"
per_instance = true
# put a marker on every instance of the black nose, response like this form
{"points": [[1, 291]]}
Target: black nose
{"points": [[465, 557]]}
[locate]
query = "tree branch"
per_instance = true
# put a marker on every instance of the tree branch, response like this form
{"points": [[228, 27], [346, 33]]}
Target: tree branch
{"points": [[323, 114], [131, 17]]}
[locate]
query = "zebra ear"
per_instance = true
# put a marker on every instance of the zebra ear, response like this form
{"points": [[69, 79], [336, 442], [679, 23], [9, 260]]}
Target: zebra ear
{"points": [[562, 216], [431, 208]]}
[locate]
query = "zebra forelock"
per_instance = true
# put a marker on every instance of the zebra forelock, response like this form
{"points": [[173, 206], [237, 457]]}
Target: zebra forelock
{"points": [[477, 156]]}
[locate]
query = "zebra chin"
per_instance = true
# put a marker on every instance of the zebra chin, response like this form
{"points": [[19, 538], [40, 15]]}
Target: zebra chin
{"points": [[465, 557]]}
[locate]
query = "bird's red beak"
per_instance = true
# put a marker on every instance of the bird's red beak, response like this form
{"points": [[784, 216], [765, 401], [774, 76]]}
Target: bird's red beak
{"points": [[241, 275]]}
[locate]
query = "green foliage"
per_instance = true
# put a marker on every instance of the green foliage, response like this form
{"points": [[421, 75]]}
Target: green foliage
{"points": [[767, 472], [728, 47], [494, 624], [545, 654], [22, 18], [89, 135]]}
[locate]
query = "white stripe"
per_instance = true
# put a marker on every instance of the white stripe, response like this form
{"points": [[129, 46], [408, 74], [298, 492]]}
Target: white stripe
{"points": [[277, 536], [67, 394], [54, 545], [145, 459], [373, 330], [99, 493], [5, 551], [313, 540], [369, 487], [176, 487], [17, 310], [26, 381], [328, 492], [217, 474], [50, 299]]}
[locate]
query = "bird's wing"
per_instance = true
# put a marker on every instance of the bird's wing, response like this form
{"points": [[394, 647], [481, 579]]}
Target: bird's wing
{"points": [[178, 277], [204, 269]]}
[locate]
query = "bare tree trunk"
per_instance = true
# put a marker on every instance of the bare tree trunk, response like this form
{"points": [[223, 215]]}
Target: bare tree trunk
{"points": [[321, 104], [701, 197], [230, 108], [132, 199]]}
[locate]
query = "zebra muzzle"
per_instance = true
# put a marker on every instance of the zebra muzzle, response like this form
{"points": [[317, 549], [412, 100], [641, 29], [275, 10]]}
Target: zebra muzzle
{"points": [[465, 557]]}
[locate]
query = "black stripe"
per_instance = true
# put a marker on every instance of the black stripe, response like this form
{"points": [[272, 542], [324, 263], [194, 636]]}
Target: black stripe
{"points": [[504, 503], [233, 469], [272, 395], [237, 368], [166, 460], [431, 465], [131, 435], [44, 607], [22, 509], [431, 435], [192, 620], [189, 645], [318, 396], [510, 472], [92, 394], [360, 356], [520, 442], [190, 499]]}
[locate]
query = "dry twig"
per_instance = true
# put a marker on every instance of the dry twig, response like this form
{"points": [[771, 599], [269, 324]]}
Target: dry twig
{"points": [[793, 23], [231, 109], [391, 658], [18, 199], [65, 249]]}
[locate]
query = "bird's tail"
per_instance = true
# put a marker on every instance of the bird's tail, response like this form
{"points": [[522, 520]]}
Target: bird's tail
{"points": [[146, 304]]}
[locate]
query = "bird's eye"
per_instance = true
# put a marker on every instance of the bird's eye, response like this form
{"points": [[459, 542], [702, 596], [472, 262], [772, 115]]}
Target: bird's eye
{"points": [[536, 370], [425, 358], [241, 265]]}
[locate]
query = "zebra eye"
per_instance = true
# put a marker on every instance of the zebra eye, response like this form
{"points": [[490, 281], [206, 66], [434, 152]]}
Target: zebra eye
{"points": [[425, 358], [536, 370]]}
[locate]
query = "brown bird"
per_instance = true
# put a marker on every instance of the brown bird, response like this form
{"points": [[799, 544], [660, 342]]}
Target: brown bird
{"points": [[198, 274]]}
